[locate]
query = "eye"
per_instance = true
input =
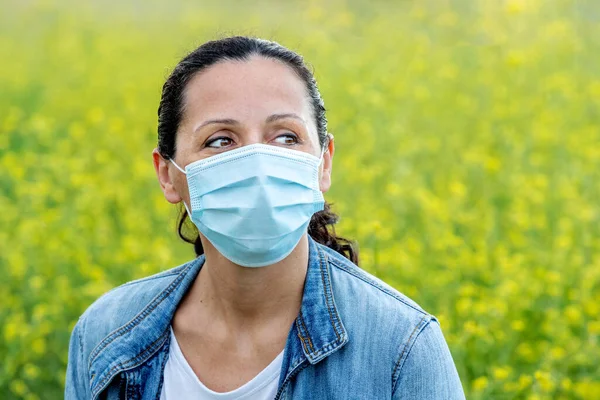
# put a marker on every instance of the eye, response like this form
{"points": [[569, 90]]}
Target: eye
{"points": [[216, 143], [287, 139]]}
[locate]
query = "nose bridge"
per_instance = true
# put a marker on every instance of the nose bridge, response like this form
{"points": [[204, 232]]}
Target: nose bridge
{"points": [[255, 133]]}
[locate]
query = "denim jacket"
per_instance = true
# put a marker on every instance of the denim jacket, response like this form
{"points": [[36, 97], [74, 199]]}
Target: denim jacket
{"points": [[355, 337]]}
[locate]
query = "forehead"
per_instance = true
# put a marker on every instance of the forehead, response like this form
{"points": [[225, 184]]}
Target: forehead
{"points": [[246, 89]]}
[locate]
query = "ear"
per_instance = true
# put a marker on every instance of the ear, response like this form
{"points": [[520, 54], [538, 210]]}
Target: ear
{"points": [[325, 176], [167, 182]]}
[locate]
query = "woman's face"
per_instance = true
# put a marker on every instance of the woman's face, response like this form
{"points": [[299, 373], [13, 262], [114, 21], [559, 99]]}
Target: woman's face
{"points": [[237, 103]]}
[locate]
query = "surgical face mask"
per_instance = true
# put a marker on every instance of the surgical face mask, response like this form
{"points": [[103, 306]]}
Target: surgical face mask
{"points": [[255, 202]]}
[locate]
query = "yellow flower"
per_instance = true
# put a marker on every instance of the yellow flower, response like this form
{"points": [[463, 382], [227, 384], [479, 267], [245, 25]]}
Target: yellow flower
{"points": [[31, 371], [594, 327], [501, 373], [38, 346], [518, 325], [18, 387], [480, 383], [573, 314], [557, 353], [525, 381], [544, 380], [566, 384]]}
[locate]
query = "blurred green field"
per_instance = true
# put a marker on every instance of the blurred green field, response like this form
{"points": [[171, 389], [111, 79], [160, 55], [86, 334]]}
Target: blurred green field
{"points": [[467, 168]]}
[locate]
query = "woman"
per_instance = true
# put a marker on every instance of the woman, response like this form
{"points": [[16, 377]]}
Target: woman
{"points": [[274, 305]]}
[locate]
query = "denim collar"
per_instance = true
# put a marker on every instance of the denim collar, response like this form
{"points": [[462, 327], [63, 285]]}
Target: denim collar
{"points": [[317, 331]]}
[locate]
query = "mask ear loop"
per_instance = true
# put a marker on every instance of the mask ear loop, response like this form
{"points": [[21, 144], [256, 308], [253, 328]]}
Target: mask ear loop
{"points": [[183, 171], [326, 146], [322, 153], [177, 166]]}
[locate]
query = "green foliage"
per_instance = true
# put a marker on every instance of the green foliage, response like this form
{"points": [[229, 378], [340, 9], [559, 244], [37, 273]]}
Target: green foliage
{"points": [[467, 167]]}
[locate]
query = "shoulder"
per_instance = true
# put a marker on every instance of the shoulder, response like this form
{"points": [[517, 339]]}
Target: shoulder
{"points": [[123, 304], [426, 369], [369, 306], [382, 322], [353, 281]]}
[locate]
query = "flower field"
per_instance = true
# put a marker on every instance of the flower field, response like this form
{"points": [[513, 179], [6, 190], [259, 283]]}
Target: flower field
{"points": [[467, 168]]}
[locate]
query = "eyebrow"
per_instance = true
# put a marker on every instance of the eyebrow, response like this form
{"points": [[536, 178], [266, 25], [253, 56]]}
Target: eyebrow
{"points": [[276, 117], [230, 121]]}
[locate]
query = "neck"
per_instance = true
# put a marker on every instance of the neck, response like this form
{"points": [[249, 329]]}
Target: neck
{"points": [[241, 296]]}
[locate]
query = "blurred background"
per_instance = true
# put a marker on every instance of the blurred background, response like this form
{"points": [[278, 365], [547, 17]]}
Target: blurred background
{"points": [[467, 168]]}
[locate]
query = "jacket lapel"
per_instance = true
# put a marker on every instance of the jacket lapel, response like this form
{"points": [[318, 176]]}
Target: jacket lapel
{"points": [[135, 342], [318, 330]]}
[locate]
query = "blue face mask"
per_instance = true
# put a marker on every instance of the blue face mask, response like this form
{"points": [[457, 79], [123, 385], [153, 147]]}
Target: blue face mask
{"points": [[255, 202]]}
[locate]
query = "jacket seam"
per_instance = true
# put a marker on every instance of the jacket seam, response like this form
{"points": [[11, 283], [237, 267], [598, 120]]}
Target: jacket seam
{"points": [[165, 274], [304, 330], [324, 270], [138, 318], [375, 285], [300, 361], [79, 327], [126, 387], [406, 348], [80, 322], [162, 367], [291, 372], [314, 353], [302, 340], [132, 363]]}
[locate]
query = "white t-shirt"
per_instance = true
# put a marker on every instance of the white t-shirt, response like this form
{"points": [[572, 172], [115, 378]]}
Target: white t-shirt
{"points": [[181, 383]]}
